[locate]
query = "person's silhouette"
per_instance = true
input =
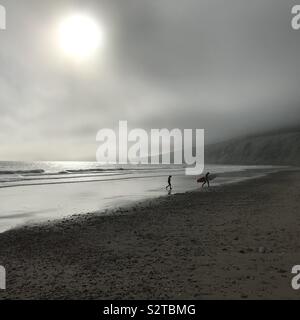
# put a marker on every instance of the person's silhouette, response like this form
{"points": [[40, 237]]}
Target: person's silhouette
{"points": [[206, 181], [169, 186]]}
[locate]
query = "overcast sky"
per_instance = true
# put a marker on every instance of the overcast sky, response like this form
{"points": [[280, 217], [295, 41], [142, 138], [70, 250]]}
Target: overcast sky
{"points": [[230, 67]]}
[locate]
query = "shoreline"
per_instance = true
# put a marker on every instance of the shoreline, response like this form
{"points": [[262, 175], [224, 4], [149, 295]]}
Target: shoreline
{"points": [[213, 243], [53, 202], [133, 206]]}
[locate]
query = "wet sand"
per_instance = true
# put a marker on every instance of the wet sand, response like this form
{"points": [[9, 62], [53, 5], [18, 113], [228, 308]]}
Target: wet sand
{"points": [[238, 241]]}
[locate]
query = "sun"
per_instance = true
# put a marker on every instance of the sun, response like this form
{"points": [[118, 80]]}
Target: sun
{"points": [[80, 36]]}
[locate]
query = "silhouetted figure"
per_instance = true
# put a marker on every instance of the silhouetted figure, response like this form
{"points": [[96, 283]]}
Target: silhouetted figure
{"points": [[169, 186], [206, 181]]}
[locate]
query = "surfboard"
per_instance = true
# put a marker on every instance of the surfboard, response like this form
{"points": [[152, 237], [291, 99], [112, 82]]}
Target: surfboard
{"points": [[210, 178]]}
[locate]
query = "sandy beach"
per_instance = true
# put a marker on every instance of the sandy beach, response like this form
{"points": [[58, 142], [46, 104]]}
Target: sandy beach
{"points": [[237, 241]]}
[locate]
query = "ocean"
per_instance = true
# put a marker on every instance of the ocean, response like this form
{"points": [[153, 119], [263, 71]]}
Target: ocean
{"points": [[33, 192]]}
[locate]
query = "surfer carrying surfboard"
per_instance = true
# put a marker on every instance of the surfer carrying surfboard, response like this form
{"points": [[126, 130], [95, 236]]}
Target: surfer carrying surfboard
{"points": [[205, 180]]}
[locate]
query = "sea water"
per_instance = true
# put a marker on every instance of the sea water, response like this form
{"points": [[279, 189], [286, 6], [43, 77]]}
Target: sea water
{"points": [[33, 192]]}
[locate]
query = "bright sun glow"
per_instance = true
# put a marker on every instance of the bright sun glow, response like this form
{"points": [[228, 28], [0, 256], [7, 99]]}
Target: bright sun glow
{"points": [[80, 36]]}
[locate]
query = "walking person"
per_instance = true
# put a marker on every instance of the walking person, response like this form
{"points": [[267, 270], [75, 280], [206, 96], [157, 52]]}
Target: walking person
{"points": [[169, 186], [205, 180]]}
